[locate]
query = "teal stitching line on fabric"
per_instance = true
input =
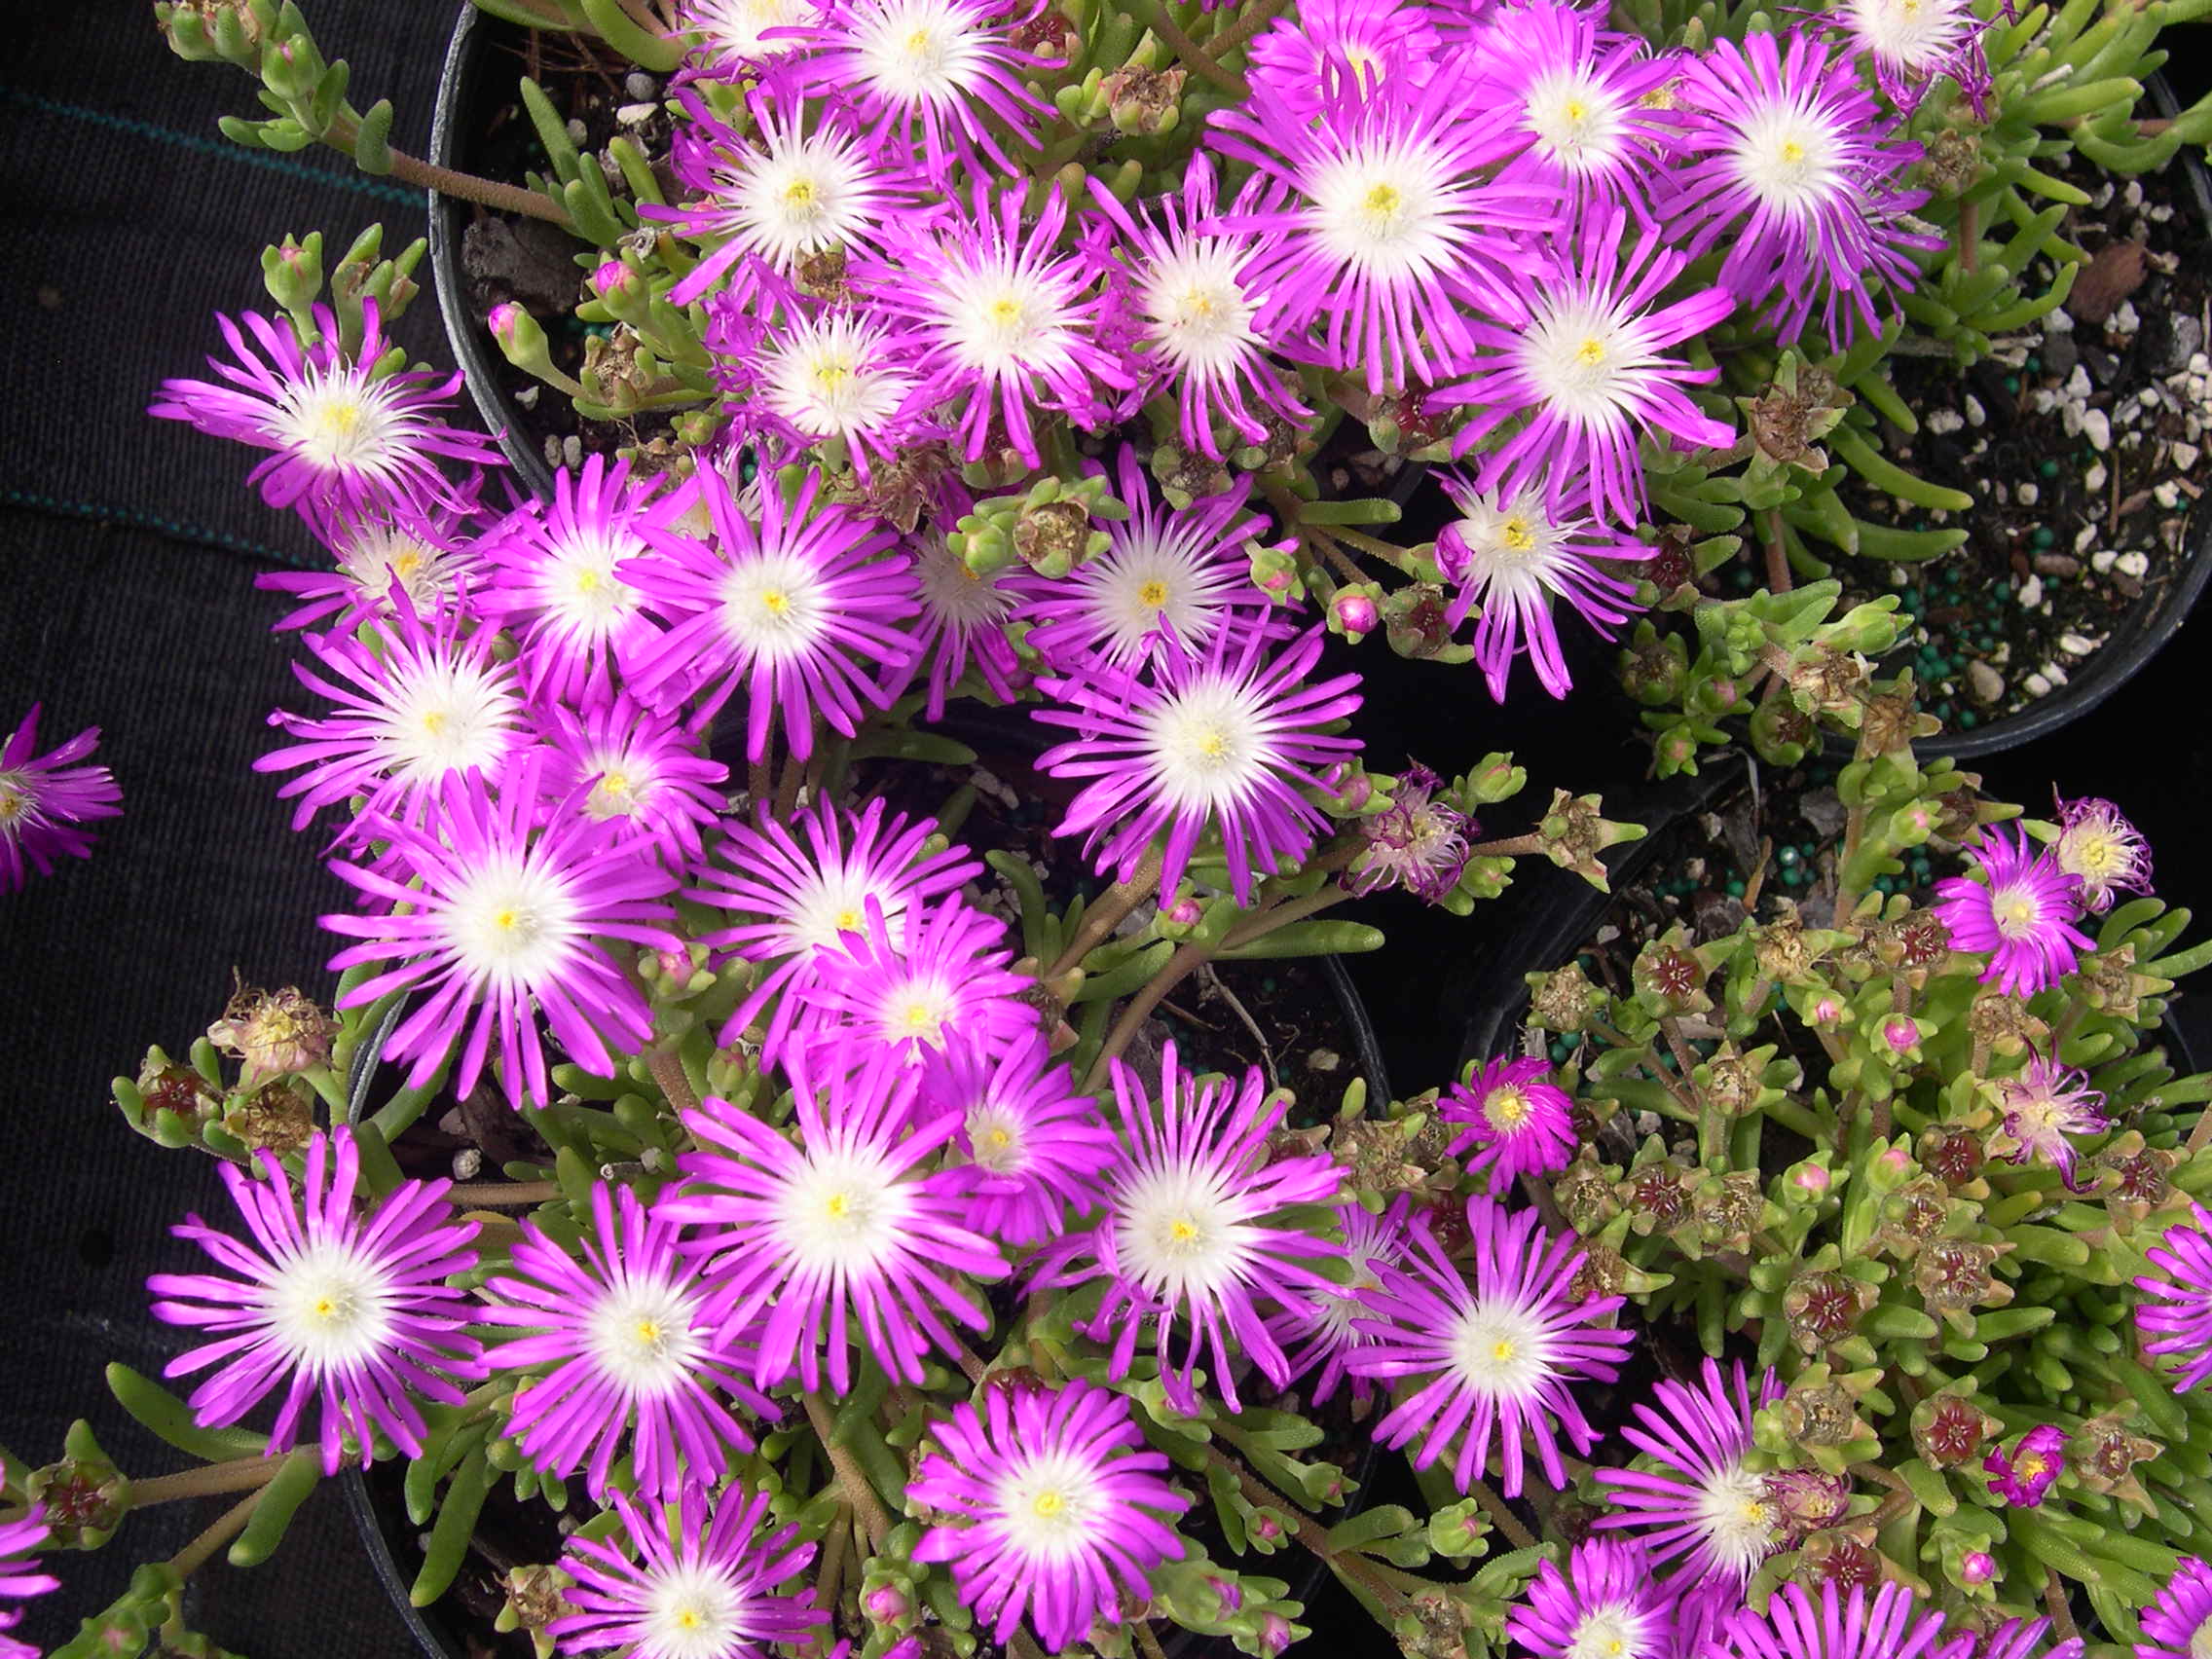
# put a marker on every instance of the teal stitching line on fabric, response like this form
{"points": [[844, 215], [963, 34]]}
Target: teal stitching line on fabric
{"points": [[223, 147], [177, 528]]}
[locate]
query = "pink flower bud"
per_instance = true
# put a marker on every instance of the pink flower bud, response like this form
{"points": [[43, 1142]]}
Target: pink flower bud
{"points": [[1231, 1595], [887, 1604], [1356, 612], [1977, 1568], [502, 319], [611, 277], [1185, 912], [1275, 1634], [1812, 1179], [675, 965], [1267, 1529], [1275, 581], [1827, 1011], [1900, 1033]]}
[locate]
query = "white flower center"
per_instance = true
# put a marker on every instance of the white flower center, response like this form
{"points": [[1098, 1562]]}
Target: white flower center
{"points": [[1585, 358], [376, 555], [1736, 1517], [1197, 310], [643, 1337], [330, 1305], [834, 902], [733, 28], [1148, 579], [1914, 34], [339, 423], [624, 781], [1513, 549], [773, 606], [2016, 911], [955, 593], [512, 924], [1003, 320], [1388, 208], [18, 803], [1577, 120], [576, 582], [1788, 155], [1501, 1351], [1177, 1233], [1613, 1630], [842, 1213], [921, 52], [802, 197], [1208, 744], [692, 1611], [822, 381], [1507, 1109], [915, 1005], [1048, 1503], [2200, 1643], [445, 716], [995, 1136]]}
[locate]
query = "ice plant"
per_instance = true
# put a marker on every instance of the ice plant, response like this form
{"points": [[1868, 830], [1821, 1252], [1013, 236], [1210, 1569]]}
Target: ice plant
{"points": [[1318, 1327], [2178, 1624], [46, 800], [1512, 1123], [345, 436], [349, 1310], [2176, 1315], [1054, 1507], [963, 624], [19, 1581], [1801, 1624], [627, 765], [1417, 842], [1034, 1145], [797, 601], [1201, 1233], [1580, 353], [1367, 42], [1696, 1500], [1606, 1603], [621, 1348], [430, 558], [1488, 1357], [2099, 847], [2021, 915], [2043, 1103], [803, 1237], [943, 980], [731, 37], [2024, 1475], [492, 922], [700, 1578], [839, 376], [1513, 555], [1914, 43], [1227, 742]]}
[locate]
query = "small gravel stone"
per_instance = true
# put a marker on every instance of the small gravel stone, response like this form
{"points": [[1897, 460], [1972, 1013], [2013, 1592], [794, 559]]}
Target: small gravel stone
{"points": [[2060, 355], [572, 451], [2037, 685], [2057, 565], [578, 133], [2136, 564], [2078, 384], [2167, 495], [2031, 593], [2185, 457], [2170, 347], [635, 114], [2124, 320], [1944, 421], [2097, 424], [2073, 644], [1983, 683], [640, 85], [2030, 494], [1976, 415], [2058, 322], [2054, 673], [2103, 560], [2093, 480]]}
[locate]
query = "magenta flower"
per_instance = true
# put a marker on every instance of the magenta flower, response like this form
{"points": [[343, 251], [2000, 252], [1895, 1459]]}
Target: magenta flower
{"points": [[730, 37], [1371, 43], [1187, 305], [2172, 1623], [1167, 582], [1006, 323], [2098, 846], [696, 1580], [2045, 1102], [803, 1237], [428, 556], [349, 1309], [1318, 1327], [963, 624], [426, 705], [17, 1581], [800, 605], [2024, 1475], [1514, 1123], [2021, 915], [1697, 1500], [1034, 1145], [1608, 1600], [2176, 1315], [1580, 352], [627, 1350], [1054, 1508], [839, 378], [1489, 1359], [491, 922], [944, 979], [1417, 842], [1914, 43], [43, 799], [1225, 741], [1790, 169], [1513, 555], [637, 770], [2020, 1638], [1195, 1232], [1798, 1624], [345, 437], [557, 582], [798, 902]]}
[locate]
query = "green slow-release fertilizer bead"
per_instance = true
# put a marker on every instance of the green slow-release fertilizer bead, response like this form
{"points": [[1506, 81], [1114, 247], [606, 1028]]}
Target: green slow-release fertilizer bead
{"points": [[2045, 535], [2048, 468]]}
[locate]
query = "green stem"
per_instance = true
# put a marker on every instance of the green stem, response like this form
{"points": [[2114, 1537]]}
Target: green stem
{"points": [[1508, 1522], [1103, 917], [667, 1067], [1250, 23], [228, 1526], [504, 1195], [1193, 54], [239, 1474], [1349, 1565], [852, 1478], [485, 191]]}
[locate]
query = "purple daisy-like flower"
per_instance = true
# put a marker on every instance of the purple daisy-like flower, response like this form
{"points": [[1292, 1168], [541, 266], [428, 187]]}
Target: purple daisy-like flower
{"points": [[1188, 307], [799, 902], [1580, 352], [2176, 1314], [1513, 555], [2179, 1623], [1223, 742], [637, 770], [1698, 1502], [1168, 581], [842, 377], [1606, 1601], [699, 1579], [1914, 43], [350, 1310], [2023, 1475], [944, 978], [1194, 1230], [2021, 915], [1487, 1358], [427, 556], [803, 1238], [423, 704], [344, 436], [932, 74], [1318, 1327], [45, 798], [963, 624], [2099, 847], [494, 922], [629, 1352], [19, 1581], [1034, 1145], [1371, 42], [1007, 321], [1803, 1624], [556, 581], [789, 190], [1417, 842], [2043, 1103], [2017, 1638], [1395, 227], [1515, 1125], [1054, 1508], [730, 38], [1789, 165], [801, 607]]}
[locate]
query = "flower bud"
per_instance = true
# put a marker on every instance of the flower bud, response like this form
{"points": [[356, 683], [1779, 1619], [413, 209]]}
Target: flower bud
{"points": [[1266, 1528], [1811, 1179], [1227, 1591], [1353, 612], [520, 337], [1976, 1568], [1275, 1634], [1185, 912], [887, 1604], [611, 277], [1901, 1033], [292, 271]]}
